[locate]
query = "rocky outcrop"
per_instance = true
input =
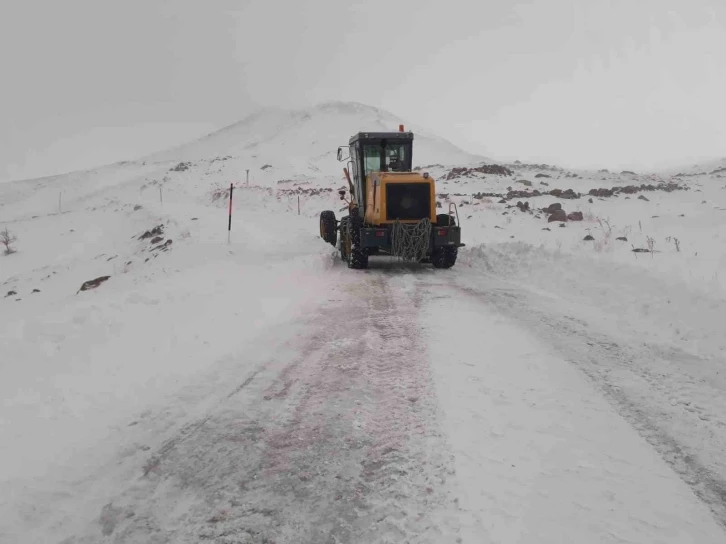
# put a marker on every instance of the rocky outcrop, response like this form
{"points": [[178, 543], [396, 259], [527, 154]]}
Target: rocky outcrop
{"points": [[92, 284], [464, 172], [181, 167], [632, 189], [567, 193], [557, 215], [156, 231], [552, 208]]}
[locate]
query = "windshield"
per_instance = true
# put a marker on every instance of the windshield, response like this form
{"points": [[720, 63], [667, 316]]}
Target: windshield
{"points": [[393, 155]]}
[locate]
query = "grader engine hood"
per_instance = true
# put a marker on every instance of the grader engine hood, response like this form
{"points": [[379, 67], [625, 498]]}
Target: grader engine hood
{"points": [[406, 196]]}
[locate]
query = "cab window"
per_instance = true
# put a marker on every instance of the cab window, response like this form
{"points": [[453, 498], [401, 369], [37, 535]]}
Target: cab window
{"points": [[371, 159], [395, 156]]}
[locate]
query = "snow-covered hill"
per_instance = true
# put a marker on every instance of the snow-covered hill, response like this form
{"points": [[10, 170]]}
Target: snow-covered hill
{"points": [[304, 142], [203, 373]]}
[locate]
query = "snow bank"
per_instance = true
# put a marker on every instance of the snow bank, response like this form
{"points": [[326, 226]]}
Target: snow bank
{"points": [[658, 309], [674, 293]]}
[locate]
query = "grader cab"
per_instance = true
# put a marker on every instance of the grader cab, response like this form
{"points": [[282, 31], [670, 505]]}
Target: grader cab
{"points": [[391, 208]]}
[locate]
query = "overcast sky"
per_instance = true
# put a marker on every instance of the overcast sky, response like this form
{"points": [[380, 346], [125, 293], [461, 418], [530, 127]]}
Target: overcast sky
{"points": [[601, 83]]}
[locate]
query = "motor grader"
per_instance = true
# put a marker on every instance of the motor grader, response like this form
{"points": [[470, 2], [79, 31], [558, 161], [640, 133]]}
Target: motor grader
{"points": [[391, 209]]}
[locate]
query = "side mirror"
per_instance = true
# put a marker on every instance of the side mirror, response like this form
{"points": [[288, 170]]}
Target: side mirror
{"points": [[340, 154]]}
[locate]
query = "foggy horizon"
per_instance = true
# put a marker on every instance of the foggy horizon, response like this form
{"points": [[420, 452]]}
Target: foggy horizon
{"points": [[607, 85]]}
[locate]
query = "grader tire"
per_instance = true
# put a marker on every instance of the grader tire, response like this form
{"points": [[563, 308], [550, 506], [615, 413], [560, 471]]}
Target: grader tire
{"points": [[452, 252], [444, 257], [344, 238], [328, 227], [358, 257]]}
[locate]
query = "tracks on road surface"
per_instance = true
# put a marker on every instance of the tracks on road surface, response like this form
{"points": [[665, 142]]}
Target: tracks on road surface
{"points": [[341, 441], [338, 444]]}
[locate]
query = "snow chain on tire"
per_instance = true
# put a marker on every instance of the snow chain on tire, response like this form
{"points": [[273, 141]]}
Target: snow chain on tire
{"points": [[343, 238], [358, 258], [410, 242]]}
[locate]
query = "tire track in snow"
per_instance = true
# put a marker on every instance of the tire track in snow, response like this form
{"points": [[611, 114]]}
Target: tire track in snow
{"points": [[340, 444], [189, 429], [351, 458], [597, 361], [402, 418], [174, 474]]}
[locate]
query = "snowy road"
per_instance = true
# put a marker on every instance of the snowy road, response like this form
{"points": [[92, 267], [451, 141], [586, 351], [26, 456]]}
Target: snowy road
{"points": [[414, 406]]}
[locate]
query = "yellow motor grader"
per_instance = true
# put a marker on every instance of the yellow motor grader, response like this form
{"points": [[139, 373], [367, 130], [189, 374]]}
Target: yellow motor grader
{"points": [[391, 208]]}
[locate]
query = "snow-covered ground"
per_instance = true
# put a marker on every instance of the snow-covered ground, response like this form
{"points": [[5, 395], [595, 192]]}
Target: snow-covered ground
{"points": [[252, 389]]}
